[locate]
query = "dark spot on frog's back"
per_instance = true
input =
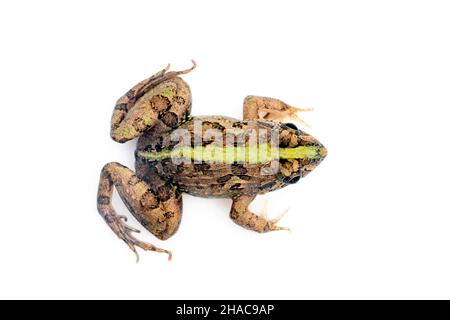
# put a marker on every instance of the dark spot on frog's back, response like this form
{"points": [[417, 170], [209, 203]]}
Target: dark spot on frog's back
{"points": [[213, 125], [224, 178], [236, 186], [158, 146], [238, 169], [170, 119], [168, 167], [160, 103], [201, 166]]}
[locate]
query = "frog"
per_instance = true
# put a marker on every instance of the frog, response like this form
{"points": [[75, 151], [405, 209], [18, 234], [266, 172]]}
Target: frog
{"points": [[179, 153]]}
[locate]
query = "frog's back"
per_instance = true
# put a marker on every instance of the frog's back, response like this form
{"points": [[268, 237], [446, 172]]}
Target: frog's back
{"points": [[205, 177]]}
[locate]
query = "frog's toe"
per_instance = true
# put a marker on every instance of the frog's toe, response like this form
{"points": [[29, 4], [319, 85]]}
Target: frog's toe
{"points": [[125, 232], [292, 113], [263, 213], [273, 222], [145, 246], [300, 120], [283, 112], [277, 228]]}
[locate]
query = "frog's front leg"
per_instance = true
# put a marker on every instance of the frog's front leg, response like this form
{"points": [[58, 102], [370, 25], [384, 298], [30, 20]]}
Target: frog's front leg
{"points": [[241, 215], [263, 108], [157, 209], [163, 98]]}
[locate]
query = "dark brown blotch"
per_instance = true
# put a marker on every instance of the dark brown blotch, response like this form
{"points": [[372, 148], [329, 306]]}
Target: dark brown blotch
{"points": [[267, 186], [207, 142], [148, 200], [225, 178], [131, 94], [170, 119], [180, 100], [236, 186], [168, 214], [119, 120], [168, 167], [103, 200], [164, 193], [202, 167], [122, 107], [160, 103], [213, 125]]}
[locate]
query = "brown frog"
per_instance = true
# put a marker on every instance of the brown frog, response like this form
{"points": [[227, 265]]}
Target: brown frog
{"points": [[208, 156]]}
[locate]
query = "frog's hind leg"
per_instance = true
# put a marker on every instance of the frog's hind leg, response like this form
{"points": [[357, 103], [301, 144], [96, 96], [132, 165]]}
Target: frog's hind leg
{"points": [[263, 108], [164, 96], [242, 216], [157, 210]]}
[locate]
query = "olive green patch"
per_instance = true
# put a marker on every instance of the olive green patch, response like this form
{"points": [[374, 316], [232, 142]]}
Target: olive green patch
{"points": [[252, 154]]}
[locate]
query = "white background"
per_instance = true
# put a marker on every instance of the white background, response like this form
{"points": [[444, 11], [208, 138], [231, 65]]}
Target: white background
{"points": [[371, 222]]}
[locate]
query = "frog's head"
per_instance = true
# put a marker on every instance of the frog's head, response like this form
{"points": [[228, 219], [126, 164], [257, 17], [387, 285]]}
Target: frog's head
{"points": [[300, 153]]}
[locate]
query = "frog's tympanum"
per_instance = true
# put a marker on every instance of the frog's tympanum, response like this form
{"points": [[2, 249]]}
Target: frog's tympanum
{"points": [[207, 156]]}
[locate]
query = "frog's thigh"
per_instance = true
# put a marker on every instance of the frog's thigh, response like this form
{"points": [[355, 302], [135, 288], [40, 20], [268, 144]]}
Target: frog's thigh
{"points": [[159, 212], [242, 216], [164, 97], [263, 108]]}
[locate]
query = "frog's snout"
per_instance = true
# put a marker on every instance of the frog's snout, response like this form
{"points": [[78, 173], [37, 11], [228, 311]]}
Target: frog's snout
{"points": [[318, 153], [308, 141], [323, 152]]}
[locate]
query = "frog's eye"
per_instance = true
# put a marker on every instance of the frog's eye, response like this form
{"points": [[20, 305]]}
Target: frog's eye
{"points": [[294, 180], [291, 125]]}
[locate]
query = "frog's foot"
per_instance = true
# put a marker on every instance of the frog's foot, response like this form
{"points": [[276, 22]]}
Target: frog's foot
{"points": [[272, 223], [163, 98], [263, 108], [124, 232], [241, 215], [158, 213], [178, 73]]}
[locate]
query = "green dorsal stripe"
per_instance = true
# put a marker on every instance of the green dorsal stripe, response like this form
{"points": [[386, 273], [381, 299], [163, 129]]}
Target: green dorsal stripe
{"points": [[253, 154]]}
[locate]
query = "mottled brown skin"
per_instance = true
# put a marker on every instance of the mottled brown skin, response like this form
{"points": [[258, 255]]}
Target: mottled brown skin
{"points": [[151, 110]]}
